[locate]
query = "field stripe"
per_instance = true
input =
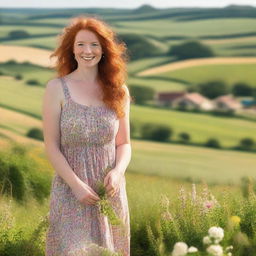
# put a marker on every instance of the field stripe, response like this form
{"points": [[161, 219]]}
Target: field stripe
{"points": [[230, 40], [197, 62], [36, 56]]}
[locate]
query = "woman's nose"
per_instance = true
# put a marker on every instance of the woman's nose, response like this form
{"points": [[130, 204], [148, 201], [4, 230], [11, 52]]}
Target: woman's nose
{"points": [[87, 49]]}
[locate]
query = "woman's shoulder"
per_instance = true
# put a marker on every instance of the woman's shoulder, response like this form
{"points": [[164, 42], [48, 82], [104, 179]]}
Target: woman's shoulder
{"points": [[53, 84], [54, 88]]}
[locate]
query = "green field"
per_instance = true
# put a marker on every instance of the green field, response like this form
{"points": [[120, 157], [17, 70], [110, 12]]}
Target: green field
{"points": [[191, 163], [170, 160], [229, 131], [32, 30], [226, 72], [39, 42], [18, 95], [22, 97]]}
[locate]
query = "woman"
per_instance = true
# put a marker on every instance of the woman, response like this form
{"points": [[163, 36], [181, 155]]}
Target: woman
{"points": [[87, 140]]}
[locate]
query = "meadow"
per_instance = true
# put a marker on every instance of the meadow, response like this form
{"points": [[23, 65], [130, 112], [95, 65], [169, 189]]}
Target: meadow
{"points": [[176, 192], [17, 95], [229, 73]]}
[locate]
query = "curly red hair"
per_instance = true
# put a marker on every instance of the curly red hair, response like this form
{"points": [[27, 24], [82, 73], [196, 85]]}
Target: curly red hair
{"points": [[112, 67]]}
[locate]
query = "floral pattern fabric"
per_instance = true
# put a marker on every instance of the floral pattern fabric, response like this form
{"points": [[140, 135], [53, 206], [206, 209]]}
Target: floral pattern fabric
{"points": [[87, 141]]}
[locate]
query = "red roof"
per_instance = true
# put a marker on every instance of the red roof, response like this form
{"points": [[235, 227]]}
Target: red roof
{"points": [[170, 95], [196, 98]]}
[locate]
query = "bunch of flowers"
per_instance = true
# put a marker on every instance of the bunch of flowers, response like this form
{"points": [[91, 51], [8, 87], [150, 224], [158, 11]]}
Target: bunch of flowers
{"points": [[104, 204], [212, 241]]}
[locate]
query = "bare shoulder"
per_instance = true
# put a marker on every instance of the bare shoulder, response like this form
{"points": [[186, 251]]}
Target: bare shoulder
{"points": [[54, 88], [53, 85], [54, 92]]}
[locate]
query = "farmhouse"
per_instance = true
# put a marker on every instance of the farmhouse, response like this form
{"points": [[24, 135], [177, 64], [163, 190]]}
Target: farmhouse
{"points": [[192, 101], [167, 98], [227, 103]]}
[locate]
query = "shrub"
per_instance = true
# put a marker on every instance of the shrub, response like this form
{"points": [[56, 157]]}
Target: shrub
{"points": [[11, 62], [190, 50], [139, 46], [246, 144], [18, 77], [32, 82], [20, 176], [213, 89], [242, 89], [141, 94], [133, 129], [212, 143], [185, 137], [157, 132], [35, 133], [17, 34]]}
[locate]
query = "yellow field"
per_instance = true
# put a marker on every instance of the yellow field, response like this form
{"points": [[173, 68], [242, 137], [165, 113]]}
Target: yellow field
{"points": [[197, 62], [14, 125], [36, 56]]}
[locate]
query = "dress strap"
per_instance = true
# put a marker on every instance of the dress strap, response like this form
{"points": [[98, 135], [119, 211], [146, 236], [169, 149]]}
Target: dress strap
{"points": [[65, 88]]}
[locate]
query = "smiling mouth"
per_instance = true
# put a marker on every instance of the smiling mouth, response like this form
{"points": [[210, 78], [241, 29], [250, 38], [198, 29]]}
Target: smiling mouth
{"points": [[88, 58]]}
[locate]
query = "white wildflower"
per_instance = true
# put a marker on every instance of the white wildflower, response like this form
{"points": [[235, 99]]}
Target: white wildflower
{"points": [[180, 249], [229, 254], [206, 240], [192, 249], [215, 250], [229, 248], [217, 233]]}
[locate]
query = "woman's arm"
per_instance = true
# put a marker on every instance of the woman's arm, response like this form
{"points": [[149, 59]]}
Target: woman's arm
{"points": [[51, 119], [123, 146], [112, 180]]}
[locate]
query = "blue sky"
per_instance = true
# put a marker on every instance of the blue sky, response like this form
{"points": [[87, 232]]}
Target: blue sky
{"points": [[123, 4]]}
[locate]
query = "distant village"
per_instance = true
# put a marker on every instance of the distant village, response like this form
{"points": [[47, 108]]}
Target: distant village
{"points": [[196, 101]]}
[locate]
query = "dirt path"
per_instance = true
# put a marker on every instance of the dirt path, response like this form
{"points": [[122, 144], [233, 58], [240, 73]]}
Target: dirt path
{"points": [[36, 56], [197, 62]]}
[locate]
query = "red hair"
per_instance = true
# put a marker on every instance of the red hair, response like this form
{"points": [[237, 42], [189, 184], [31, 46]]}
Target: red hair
{"points": [[112, 67]]}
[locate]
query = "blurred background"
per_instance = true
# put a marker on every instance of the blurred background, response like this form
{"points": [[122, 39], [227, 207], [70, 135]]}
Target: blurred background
{"points": [[193, 118]]}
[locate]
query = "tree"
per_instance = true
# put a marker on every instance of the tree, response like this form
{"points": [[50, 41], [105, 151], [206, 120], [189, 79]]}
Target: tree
{"points": [[139, 46], [212, 143], [247, 144], [32, 82], [185, 137], [141, 94], [35, 133], [213, 89], [242, 89], [156, 132], [191, 49], [17, 34]]}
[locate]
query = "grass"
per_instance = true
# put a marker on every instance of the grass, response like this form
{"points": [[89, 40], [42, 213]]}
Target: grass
{"points": [[28, 99], [32, 30], [139, 65], [228, 131], [28, 71], [227, 72], [191, 163], [158, 84], [17, 122], [22, 97], [47, 42], [192, 28]]}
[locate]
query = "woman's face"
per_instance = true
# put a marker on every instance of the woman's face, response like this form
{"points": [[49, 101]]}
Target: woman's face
{"points": [[87, 49]]}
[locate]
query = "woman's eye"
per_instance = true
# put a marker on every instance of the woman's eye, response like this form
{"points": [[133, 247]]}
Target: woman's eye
{"points": [[79, 44], [95, 44]]}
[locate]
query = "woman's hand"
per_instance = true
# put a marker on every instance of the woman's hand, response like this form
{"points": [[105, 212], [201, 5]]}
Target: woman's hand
{"points": [[113, 181], [85, 194]]}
